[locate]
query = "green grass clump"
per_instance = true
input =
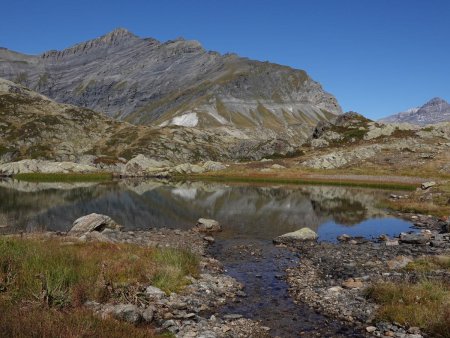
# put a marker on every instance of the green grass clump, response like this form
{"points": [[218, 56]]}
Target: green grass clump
{"points": [[177, 264], [69, 177], [429, 263], [301, 181], [438, 205], [45, 282], [61, 274], [425, 304]]}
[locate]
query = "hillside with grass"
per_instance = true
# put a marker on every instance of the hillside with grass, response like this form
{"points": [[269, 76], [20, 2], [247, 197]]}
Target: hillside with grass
{"points": [[33, 126]]}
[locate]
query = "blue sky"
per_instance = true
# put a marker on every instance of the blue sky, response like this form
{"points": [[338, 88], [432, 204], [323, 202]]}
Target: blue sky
{"points": [[376, 56]]}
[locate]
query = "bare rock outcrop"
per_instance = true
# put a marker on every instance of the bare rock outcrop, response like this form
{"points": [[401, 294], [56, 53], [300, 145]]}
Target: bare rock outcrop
{"points": [[93, 222], [42, 166]]}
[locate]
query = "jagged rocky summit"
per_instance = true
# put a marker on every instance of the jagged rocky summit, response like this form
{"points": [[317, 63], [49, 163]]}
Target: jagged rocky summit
{"points": [[178, 82], [434, 111]]}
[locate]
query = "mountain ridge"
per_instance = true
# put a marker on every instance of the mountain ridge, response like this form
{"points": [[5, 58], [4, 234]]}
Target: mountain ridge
{"points": [[144, 81], [435, 110]]}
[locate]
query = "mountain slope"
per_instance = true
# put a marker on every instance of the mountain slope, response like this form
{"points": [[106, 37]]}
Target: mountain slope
{"points": [[177, 82], [434, 111], [34, 126]]}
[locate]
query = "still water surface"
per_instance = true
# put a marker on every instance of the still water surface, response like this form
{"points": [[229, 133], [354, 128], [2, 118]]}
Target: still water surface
{"points": [[258, 212]]}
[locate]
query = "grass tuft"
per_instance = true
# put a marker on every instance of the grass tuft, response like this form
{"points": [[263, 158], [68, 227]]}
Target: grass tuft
{"points": [[178, 264], [45, 282], [425, 304], [434, 202], [55, 272], [429, 264], [35, 321]]}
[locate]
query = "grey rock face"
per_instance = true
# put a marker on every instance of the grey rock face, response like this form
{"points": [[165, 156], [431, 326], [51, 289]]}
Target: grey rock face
{"points": [[342, 158], [434, 111], [176, 82], [93, 222], [42, 166]]}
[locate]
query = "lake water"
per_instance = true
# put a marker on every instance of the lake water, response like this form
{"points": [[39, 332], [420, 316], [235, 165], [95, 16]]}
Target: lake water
{"points": [[251, 217], [257, 212]]}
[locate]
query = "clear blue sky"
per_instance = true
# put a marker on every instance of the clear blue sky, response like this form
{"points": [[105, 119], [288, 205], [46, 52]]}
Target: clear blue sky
{"points": [[376, 56]]}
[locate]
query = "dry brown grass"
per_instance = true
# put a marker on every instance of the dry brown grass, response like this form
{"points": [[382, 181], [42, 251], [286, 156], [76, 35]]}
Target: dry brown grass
{"points": [[30, 267], [34, 321], [437, 203], [425, 304], [45, 282]]}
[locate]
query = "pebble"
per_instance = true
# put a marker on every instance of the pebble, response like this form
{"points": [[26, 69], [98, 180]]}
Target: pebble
{"points": [[371, 329]]}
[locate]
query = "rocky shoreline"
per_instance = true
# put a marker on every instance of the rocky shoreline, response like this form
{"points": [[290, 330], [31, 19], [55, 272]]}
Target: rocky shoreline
{"points": [[189, 313], [333, 278]]}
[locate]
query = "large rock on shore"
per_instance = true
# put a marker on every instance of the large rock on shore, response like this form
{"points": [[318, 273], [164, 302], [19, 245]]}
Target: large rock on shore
{"points": [[93, 222], [419, 239], [207, 225], [213, 166], [43, 166], [142, 166], [302, 235], [187, 168]]}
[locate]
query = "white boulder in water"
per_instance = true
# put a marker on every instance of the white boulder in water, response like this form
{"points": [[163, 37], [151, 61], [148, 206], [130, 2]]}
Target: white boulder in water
{"points": [[303, 234]]}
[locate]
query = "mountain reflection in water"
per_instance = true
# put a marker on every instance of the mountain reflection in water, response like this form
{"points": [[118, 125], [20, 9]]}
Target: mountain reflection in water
{"points": [[262, 212]]}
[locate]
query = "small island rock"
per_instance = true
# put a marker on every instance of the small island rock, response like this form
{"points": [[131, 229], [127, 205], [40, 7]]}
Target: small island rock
{"points": [[303, 234]]}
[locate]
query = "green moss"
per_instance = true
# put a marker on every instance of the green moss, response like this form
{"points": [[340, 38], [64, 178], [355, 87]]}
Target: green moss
{"points": [[403, 133], [4, 150], [69, 177], [356, 134], [39, 152]]}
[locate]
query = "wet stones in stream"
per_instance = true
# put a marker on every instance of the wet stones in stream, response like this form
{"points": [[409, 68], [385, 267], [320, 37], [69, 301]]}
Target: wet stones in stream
{"points": [[260, 267], [332, 278]]}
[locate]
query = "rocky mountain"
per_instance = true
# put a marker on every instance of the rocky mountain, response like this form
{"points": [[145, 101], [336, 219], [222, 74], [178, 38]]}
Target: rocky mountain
{"points": [[178, 82], [357, 144], [434, 111], [34, 126]]}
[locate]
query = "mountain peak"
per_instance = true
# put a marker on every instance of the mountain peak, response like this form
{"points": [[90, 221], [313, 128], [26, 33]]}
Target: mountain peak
{"points": [[118, 33], [434, 111], [435, 101], [116, 37]]}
